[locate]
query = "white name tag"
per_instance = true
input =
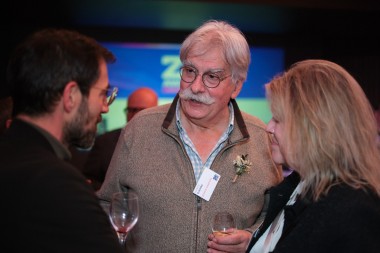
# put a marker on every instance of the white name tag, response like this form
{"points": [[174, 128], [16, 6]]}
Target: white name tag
{"points": [[206, 184]]}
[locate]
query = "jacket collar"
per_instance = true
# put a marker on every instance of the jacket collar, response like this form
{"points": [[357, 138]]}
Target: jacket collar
{"points": [[275, 200], [170, 116], [279, 196]]}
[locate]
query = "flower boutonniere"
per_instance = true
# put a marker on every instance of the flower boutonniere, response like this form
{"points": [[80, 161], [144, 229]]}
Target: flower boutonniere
{"points": [[241, 164]]}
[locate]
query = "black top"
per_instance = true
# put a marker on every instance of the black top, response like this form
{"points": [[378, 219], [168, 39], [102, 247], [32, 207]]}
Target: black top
{"points": [[346, 220], [47, 206], [99, 158]]}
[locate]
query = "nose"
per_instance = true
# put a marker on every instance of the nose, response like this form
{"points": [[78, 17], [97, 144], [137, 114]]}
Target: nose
{"points": [[270, 127], [197, 85], [105, 108]]}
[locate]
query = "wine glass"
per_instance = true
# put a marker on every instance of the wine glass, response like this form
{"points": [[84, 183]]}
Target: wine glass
{"points": [[124, 213], [223, 223]]}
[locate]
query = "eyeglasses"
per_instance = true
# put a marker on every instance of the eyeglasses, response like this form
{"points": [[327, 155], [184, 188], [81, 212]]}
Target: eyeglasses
{"points": [[210, 79], [110, 94]]}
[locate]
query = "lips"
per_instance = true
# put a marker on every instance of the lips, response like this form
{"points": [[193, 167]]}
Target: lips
{"points": [[99, 119], [195, 101], [275, 143]]}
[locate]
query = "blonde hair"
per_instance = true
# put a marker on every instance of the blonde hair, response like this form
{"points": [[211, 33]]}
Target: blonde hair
{"points": [[330, 129]]}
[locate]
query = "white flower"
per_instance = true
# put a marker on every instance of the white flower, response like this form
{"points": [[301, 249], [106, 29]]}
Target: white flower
{"points": [[241, 164]]}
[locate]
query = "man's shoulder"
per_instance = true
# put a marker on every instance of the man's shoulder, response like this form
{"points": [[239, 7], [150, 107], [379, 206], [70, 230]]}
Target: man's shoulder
{"points": [[153, 114], [253, 121], [36, 163], [157, 109]]}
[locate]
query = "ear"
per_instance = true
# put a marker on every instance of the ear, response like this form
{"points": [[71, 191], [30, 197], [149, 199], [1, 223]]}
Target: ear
{"points": [[71, 96], [237, 89]]}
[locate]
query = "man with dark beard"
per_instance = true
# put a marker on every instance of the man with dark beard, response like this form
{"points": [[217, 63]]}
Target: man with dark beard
{"points": [[59, 84]]}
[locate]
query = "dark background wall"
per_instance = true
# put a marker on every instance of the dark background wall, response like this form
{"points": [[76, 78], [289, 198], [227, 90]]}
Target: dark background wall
{"points": [[344, 31]]}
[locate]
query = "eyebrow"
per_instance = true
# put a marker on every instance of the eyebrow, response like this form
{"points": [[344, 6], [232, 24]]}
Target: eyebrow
{"points": [[217, 70]]}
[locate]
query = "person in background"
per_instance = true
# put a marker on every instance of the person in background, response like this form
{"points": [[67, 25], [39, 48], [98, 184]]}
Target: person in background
{"points": [[59, 85], [198, 155], [6, 105], [324, 129], [99, 157], [139, 100]]}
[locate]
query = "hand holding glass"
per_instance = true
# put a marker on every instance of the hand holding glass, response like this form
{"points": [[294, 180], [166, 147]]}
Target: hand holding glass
{"points": [[124, 213], [223, 223]]}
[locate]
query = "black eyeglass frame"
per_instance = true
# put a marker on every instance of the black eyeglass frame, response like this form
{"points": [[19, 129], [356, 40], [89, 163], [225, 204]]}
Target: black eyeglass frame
{"points": [[221, 79]]}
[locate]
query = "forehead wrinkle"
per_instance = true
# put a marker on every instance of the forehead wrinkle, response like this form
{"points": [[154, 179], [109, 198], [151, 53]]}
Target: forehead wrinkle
{"points": [[210, 70]]}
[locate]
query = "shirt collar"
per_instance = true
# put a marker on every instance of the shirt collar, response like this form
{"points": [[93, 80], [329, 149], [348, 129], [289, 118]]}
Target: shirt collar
{"points": [[59, 149]]}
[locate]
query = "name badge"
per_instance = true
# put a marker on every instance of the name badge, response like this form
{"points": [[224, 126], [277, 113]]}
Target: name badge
{"points": [[206, 184]]}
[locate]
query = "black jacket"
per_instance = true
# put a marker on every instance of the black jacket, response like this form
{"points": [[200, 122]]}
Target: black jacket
{"points": [[47, 206], [100, 156], [346, 220]]}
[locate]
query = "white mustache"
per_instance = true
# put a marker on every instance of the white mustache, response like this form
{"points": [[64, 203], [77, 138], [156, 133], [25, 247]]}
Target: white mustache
{"points": [[204, 98]]}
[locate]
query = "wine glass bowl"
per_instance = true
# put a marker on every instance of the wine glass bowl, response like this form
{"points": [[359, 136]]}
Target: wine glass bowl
{"points": [[124, 213], [223, 224]]}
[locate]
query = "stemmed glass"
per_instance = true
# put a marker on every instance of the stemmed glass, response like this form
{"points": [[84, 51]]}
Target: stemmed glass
{"points": [[124, 213], [223, 224]]}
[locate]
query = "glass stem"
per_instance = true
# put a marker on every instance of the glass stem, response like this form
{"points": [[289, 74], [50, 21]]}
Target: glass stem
{"points": [[122, 238]]}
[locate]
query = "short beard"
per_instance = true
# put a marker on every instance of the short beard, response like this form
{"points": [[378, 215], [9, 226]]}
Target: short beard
{"points": [[204, 98], [75, 132]]}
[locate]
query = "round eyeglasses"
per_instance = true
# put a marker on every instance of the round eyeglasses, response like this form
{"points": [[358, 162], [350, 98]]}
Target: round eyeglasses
{"points": [[210, 79]]}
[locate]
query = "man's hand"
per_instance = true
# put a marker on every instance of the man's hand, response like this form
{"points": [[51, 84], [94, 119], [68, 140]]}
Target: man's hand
{"points": [[235, 242]]}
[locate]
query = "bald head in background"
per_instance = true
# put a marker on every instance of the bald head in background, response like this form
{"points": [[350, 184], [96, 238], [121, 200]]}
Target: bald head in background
{"points": [[140, 99]]}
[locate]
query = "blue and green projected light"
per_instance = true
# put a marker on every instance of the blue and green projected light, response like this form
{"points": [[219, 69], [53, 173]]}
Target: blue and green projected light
{"points": [[157, 66]]}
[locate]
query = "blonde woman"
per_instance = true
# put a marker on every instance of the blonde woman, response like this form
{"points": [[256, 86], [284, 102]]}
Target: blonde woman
{"points": [[323, 127]]}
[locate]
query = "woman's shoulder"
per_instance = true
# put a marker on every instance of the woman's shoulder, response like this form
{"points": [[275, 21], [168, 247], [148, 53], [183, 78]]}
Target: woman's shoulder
{"points": [[345, 201]]}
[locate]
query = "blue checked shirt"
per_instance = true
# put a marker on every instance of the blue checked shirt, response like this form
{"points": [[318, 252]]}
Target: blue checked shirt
{"points": [[196, 160]]}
